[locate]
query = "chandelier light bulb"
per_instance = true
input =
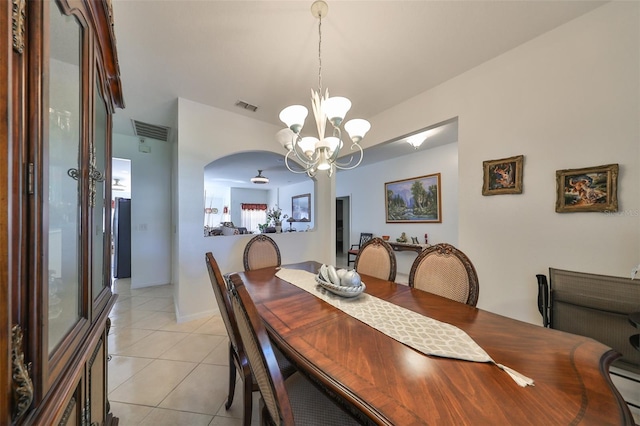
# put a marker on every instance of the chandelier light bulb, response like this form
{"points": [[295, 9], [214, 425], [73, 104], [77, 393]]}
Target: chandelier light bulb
{"points": [[293, 116], [336, 108], [286, 137], [308, 145], [357, 128], [323, 163], [332, 143]]}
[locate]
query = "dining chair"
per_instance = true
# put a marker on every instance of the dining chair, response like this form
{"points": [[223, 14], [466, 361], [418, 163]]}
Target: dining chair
{"points": [[290, 401], [237, 357], [355, 248], [376, 258], [446, 271], [261, 252], [544, 297]]}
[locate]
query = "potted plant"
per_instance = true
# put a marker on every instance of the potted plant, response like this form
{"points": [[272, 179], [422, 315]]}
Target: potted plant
{"points": [[274, 215]]}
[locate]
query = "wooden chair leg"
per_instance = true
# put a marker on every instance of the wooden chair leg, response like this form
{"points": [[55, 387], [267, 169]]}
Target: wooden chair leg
{"points": [[265, 417], [232, 378], [248, 399]]}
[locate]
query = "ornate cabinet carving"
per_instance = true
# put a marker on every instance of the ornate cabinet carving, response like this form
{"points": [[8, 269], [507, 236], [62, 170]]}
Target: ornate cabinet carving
{"points": [[60, 84]]}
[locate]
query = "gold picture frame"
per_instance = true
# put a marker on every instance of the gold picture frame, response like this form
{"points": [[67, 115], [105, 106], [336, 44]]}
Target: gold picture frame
{"points": [[590, 189], [503, 176], [414, 200]]}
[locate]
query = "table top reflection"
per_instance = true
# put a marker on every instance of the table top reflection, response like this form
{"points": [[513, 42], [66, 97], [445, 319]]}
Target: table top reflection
{"points": [[386, 382]]}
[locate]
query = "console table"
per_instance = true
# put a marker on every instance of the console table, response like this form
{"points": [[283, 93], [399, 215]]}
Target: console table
{"points": [[408, 247]]}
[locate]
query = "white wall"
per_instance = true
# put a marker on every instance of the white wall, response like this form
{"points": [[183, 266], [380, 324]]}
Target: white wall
{"points": [[206, 134], [567, 99], [365, 187], [150, 209]]}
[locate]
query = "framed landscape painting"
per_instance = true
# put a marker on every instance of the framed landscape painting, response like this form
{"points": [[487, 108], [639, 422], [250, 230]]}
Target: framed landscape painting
{"points": [[502, 176], [591, 189], [301, 208], [415, 200]]}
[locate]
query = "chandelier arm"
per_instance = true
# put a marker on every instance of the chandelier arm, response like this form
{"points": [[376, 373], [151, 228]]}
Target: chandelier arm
{"points": [[345, 166], [301, 156], [337, 132], [286, 163]]}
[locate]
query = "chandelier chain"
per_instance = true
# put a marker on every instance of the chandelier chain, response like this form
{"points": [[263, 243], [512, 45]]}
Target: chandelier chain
{"points": [[320, 54], [313, 154]]}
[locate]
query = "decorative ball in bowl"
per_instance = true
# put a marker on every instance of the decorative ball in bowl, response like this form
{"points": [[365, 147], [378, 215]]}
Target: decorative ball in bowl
{"points": [[385, 237], [342, 282]]}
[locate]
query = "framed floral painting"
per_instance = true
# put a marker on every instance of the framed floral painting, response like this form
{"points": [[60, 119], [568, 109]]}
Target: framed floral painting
{"points": [[502, 176], [590, 189]]}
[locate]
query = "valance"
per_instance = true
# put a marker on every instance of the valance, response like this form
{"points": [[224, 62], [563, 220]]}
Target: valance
{"points": [[246, 206]]}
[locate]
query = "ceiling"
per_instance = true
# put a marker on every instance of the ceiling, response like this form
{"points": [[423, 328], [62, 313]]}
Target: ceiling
{"points": [[236, 170], [265, 53]]}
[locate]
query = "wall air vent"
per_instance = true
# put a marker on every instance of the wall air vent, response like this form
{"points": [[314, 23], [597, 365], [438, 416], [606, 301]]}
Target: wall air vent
{"points": [[146, 130], [244, 105]]}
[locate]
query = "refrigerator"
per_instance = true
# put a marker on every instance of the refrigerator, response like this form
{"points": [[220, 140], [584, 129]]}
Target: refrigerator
{"points": [[122, 238]]}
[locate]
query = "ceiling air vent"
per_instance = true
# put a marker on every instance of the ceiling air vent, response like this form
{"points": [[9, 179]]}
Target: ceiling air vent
{"points": [[146, 130], [244, 105]]}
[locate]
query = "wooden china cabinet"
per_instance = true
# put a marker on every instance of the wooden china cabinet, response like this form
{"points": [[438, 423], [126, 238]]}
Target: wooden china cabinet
{"points": [[60, 84]]}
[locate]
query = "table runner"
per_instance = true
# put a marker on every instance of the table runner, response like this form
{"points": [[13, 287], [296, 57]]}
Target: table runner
{"points": [[427, 335]]}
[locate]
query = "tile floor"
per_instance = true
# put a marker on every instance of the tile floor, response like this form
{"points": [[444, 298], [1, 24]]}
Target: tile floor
{"points": [[164, 373]]}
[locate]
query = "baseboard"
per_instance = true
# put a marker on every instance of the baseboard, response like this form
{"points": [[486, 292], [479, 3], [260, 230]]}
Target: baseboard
{"points": [[186, 318], [146, 285]]}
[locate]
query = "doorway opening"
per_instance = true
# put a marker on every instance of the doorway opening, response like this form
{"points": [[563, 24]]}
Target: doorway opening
{"points": [[121, 218], [343, 229]]}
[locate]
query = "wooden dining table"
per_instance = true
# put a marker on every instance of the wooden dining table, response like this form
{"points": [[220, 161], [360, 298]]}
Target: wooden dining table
{"points": [[382, 381]]}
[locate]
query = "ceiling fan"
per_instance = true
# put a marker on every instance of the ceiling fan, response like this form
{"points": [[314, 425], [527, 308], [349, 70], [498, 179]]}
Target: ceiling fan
{"points": [[117, 186]]}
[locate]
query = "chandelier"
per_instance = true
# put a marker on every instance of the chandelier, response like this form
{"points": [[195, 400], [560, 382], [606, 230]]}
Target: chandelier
{"points": [[321, 153]]}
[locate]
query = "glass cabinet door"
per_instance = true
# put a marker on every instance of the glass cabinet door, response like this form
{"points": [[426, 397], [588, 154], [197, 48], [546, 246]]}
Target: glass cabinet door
{"points": [[99, 204], [62, 187]]}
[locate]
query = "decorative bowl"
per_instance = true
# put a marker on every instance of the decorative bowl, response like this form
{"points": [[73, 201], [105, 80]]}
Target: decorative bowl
{"points": [[385, 237], [341, 290]]}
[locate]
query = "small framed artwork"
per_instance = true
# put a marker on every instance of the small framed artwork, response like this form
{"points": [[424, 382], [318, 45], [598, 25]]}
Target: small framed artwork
{"points": [[502, 176], [591, 189], [301, 208], [415, 200]]}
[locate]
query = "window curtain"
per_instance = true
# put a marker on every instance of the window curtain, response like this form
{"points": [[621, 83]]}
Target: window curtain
{"points": [[253, 215]]}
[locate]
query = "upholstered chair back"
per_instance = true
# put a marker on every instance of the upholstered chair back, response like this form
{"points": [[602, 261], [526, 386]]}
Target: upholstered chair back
{"points": [[446, 271], [222, 297], [261, 252], [376, 258], [260, 354]]}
